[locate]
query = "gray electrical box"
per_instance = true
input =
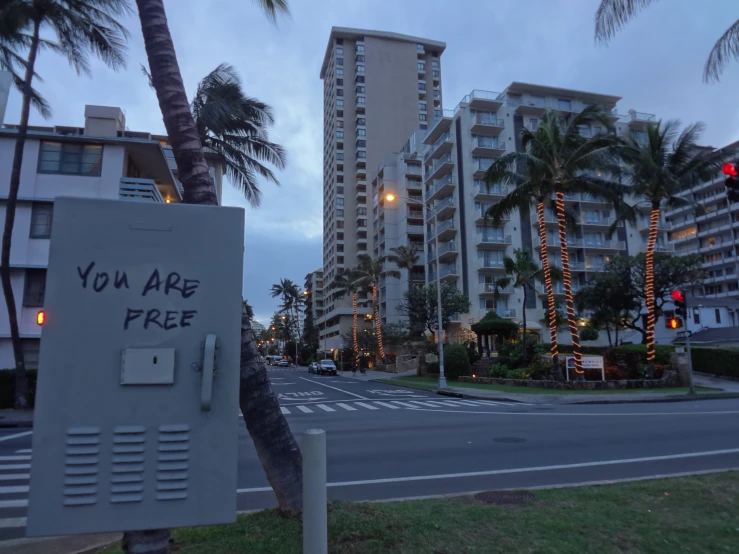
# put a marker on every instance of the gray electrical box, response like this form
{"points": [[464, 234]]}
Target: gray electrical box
{"points": [[136, 420]]}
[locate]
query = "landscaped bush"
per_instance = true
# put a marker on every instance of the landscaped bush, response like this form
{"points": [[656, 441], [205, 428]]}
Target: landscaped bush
{"points": [[541, 369], [7, 388], [662, 352], [589, 333], [499, 371], [472, 353], [456, 361], [566, 349], [716, 361]]}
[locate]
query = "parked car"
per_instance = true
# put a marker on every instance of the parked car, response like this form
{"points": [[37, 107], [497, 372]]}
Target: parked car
{"points": [[284, 363], [326, 367], [313, 367]]}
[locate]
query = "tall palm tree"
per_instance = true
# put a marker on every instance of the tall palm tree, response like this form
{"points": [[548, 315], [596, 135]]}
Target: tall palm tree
{"points": [[612, 16], [82, 27], [658, 169], [276, 447], [368, 272], [523, 273], [346, 284], [557, 160], [235, 127]]}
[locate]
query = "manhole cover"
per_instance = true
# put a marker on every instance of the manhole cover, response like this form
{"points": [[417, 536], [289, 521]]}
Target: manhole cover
{"points": [[509, 440], [504, 497]]}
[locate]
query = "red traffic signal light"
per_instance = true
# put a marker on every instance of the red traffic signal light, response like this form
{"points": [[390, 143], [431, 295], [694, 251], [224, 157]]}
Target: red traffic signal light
{"points": [[730, 170], [678, 296]]}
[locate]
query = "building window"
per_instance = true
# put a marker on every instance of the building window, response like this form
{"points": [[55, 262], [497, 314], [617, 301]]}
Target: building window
{"points": [[424, 127], [360, 99], [361, 132], [339, 82], [339, 155], [339, 178], [361, 143], [339, 167], [360, 69], [339, 61], [41, 214], [70, 158], [421, 86], [339, 51], [718, 315], [359, 58], [435, 64], [437, 94], [339, 213], [360, 90], [435, 74], [533, 124], [339, 190], [359, 79], [422, 116], [340, 236], [339, 41], [360, 48], [421, 66], [696, 317], [339, 92], [340, 225], [339, 71], [422, 106], [339, 113], [361, 155], [30, 352], [339, 201], [35, 288], [339, 103], [339, 134], [361, 121]]}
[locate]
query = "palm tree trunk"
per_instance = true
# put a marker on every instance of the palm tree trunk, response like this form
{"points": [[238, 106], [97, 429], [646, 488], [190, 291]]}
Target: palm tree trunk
{"points": [[566, 277], [380, 347], [549, 288], [21, 378], [355, 343], [651, 306], [178, 119], [523, 317], [275, 445]]}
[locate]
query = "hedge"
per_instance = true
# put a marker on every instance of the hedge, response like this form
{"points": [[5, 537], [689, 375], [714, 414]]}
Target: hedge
{"points": [[662, 351], [716, 361], [7, 388], [456, 361]]}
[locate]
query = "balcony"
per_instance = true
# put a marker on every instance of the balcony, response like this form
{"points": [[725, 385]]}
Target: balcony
{"points": [[441, 188], [485, 124], [484, 100], [560, 288], [480, 167], [441, 167], [414, 229], [443, 145], [494, 192], [493, 241], [604, 244], [639, 120], [442, 123], [140, 190], [445, 208], [529, 105], [413, 170], [445, 229], [507, 313], [483, 219], [589, 199], [658, 248], [597, 221], [489, 288], [450, 270], [487, 263], [488, 146], [447, 251], [553, 242]]}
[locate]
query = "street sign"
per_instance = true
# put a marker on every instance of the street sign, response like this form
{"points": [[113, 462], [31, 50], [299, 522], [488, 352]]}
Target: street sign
{"points": [[679, 350], [588, 362], [136, 415]]}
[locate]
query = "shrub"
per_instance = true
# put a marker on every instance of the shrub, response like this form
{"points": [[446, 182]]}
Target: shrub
{"points": [[589, 333], [541, 370], [716, 361], [433, 368], [662, 352], [390, 358], [499, 371], [519, 373], [7, 388], [472, 353], [456, 361]]}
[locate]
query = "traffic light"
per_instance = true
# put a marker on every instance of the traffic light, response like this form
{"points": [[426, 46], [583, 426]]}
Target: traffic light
{"points": [[40, 317], [681, 307], [674, 323], [732, 181]]}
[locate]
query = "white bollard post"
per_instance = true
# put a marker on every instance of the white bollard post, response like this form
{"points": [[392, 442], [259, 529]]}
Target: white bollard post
{"points": [[315, 524]]}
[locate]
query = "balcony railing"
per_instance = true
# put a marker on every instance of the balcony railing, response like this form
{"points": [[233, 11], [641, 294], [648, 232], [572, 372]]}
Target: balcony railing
{"points": [[490, 264], [491, 289], [494, 239], [447, 180], [438, 163], [140, 190], [497, 189], [610, 244], [446, 137], [507, 313], [449, 224], [448, 247], [448, 270]]}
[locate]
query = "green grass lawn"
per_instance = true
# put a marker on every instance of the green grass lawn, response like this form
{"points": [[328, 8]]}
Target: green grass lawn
{"points": [[431, 383], [690, 514]]}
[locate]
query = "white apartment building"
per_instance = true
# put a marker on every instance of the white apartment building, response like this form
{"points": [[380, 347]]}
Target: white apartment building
{"points": [[100, 160], [379, 88], [458, 149]]}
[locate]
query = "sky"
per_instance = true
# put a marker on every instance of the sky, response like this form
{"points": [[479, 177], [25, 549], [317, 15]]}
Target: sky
{"points": [[655, 65]]}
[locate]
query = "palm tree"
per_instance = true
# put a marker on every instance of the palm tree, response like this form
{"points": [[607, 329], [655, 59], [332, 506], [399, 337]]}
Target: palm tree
{"points": [[524, 273], [346, 284], [558, 160], [658, 169], [276, 447], [368, 272], [82, 27], [612, 16], [234, 126]]}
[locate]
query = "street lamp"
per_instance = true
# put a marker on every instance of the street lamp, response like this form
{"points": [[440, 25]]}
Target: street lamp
{"points": [[390, 198]]}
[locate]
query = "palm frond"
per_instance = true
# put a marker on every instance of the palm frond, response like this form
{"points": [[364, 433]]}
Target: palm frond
{"points": [[612, 16], [725, 49], [272, 8]]}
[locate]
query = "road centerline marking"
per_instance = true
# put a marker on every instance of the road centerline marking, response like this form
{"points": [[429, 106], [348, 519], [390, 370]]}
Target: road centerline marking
{"points": [[335, 388]]}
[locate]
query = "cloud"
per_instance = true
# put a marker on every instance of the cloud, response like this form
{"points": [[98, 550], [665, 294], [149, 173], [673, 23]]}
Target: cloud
{"points": [[655, 64]]}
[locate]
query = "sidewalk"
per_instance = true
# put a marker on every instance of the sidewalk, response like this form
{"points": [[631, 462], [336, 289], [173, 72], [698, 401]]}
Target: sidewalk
{"points": [[15, 418], [370, 375], [74, 544], [703, 380]]}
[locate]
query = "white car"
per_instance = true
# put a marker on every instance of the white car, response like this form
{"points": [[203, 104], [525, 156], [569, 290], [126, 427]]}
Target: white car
{"points": [[326, 367]]}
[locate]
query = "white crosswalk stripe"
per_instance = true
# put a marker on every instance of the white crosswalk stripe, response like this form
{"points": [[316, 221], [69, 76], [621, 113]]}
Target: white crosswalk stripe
{"points": [[14, 466], [368, 406], [24, 451], [386, 405], [404, 404], [304, 409], [347, 407], [325, 408], [14, 476], [14, 458], [284, 410], [14, 490]]}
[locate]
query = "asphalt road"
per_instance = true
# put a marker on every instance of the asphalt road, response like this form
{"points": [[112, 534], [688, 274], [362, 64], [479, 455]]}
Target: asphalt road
{"points": [[388, 442]]}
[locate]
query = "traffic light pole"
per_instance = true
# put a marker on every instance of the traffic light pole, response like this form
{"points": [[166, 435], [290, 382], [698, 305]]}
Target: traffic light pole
{"points": [[691, 390]]}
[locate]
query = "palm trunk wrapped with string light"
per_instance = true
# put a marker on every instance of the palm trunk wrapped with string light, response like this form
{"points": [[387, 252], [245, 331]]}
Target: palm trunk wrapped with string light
{"points": [[548, 284], [354, 329], [380, 347], [567, 280], [649, 278]]}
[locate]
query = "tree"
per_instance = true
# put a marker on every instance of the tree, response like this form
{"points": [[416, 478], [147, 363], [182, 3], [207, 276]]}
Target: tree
{"points": [[524, 273], [276, 447], [82, 27], [420, 305], [612, 16], [608, 299], [558, 160], [670, 273], [368, 273], [343, 284], [310, 331], [405, 257], [658, 169]]}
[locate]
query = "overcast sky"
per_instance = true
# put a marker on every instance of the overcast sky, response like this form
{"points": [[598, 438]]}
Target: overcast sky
{"points": [[655, 65]]}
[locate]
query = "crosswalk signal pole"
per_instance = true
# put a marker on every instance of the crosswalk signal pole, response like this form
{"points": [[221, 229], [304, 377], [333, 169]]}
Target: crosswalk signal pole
{"points": [[681, 310]]}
